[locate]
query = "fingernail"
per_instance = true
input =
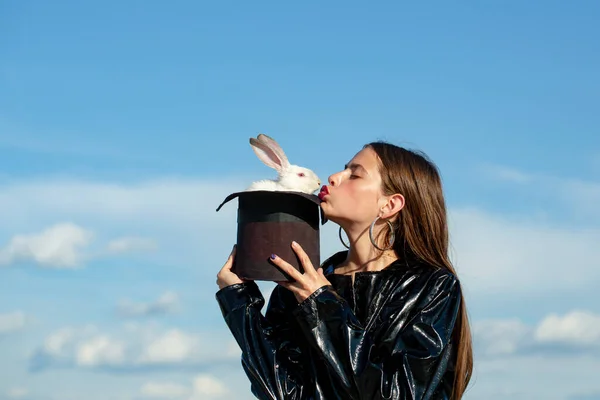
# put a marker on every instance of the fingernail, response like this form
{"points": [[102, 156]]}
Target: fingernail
{"points": [[294, 243], [273, 256]]}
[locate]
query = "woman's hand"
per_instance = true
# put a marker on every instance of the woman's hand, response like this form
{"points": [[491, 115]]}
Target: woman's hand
{"points": [[306, 283], [225, 277]]}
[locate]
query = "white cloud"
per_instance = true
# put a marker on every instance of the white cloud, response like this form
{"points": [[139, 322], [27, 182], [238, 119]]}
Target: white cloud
{"points": [[100, 350], [62, 345], [168, 201], [207, 386], [59, 246], [480, 239], [180, 214], [127, 244], [233, 350], [500, 337], [508, 174], [526, 377], [557, 358], [17, 393], [167, 303], [581, 196], [202, 387], [66, 245], [12, 322], [584, 196], [164, 390], [495, 254], [173, 346], [575, 328], [575, 332], [133, 346]]}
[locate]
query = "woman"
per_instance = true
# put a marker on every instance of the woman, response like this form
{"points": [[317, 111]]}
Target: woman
{"points": [[385, 319]]}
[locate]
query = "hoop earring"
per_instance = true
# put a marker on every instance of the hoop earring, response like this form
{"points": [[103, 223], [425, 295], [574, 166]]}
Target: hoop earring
{"points": [[341, 239], [392, 238]]}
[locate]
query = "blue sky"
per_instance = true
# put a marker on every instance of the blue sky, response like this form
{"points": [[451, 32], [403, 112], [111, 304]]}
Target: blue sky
{"points": [[123, 126]]}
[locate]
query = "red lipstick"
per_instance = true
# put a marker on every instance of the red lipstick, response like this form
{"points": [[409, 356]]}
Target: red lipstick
{"points": [[324, 192]]}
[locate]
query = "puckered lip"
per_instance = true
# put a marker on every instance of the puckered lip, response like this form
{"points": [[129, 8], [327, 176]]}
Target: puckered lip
{"points": [[324, 192]]}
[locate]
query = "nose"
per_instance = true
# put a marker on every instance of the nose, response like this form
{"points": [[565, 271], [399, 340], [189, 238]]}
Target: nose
{"points": [[334, 179]]}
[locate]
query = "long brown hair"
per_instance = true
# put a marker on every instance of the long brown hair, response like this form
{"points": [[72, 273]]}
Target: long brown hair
{"points": [[422, 232]]}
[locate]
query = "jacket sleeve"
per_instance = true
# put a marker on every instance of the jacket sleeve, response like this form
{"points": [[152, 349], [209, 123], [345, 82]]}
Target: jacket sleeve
{"points": [[404, 352], [272, 356]]}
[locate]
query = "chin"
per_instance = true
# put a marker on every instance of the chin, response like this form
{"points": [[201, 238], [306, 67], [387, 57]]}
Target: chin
{"points": [[329, 213]]}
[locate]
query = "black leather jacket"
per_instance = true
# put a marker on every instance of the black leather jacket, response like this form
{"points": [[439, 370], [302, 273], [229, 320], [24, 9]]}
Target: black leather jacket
{"points": [[388, 336]]}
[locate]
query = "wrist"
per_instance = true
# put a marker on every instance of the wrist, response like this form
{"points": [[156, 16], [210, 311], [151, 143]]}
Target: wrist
{"points": [[223, 285], [238, 295]]}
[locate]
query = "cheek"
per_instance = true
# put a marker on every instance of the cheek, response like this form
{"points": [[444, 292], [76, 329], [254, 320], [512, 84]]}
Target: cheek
{"points": [[361, 198], [366, 193]]}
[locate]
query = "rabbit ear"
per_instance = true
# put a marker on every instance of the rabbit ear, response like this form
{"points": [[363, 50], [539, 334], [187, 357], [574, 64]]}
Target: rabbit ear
{"points": [[275, 147], [266, 154]]}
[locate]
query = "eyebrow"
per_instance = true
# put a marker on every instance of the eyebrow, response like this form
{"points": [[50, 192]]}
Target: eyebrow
{"points": [[356, 166]]}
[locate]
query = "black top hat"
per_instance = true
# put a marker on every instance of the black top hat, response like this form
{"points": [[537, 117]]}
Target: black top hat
{"points": [[268, 222]]}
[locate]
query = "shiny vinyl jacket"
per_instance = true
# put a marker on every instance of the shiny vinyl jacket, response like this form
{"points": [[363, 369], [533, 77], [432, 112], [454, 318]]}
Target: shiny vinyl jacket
{"points": [[387, 336]]}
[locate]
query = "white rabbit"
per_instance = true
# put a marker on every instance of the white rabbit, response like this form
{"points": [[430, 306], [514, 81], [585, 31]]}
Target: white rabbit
{"points": [[290, 177]]}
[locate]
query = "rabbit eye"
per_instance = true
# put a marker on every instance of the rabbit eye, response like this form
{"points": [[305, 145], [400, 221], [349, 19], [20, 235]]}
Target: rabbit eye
{"points": [[300, 173]]}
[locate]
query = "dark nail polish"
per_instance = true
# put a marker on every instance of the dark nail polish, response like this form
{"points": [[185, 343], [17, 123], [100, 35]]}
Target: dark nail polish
{"points": [[273, 256]]}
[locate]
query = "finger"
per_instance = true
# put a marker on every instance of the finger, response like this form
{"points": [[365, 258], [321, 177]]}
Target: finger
{"points": [[286, 267], [229, 262], [304, 259]]}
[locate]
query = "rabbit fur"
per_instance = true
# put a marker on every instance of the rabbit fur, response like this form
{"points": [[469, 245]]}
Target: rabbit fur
{"points": [[290, 177]]}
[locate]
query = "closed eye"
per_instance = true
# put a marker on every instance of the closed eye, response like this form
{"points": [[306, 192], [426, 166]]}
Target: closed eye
{"points": [[354, 167]]}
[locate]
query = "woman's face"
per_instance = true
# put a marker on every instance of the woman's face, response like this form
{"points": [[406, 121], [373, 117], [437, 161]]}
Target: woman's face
{"points": [[354, 195]]}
